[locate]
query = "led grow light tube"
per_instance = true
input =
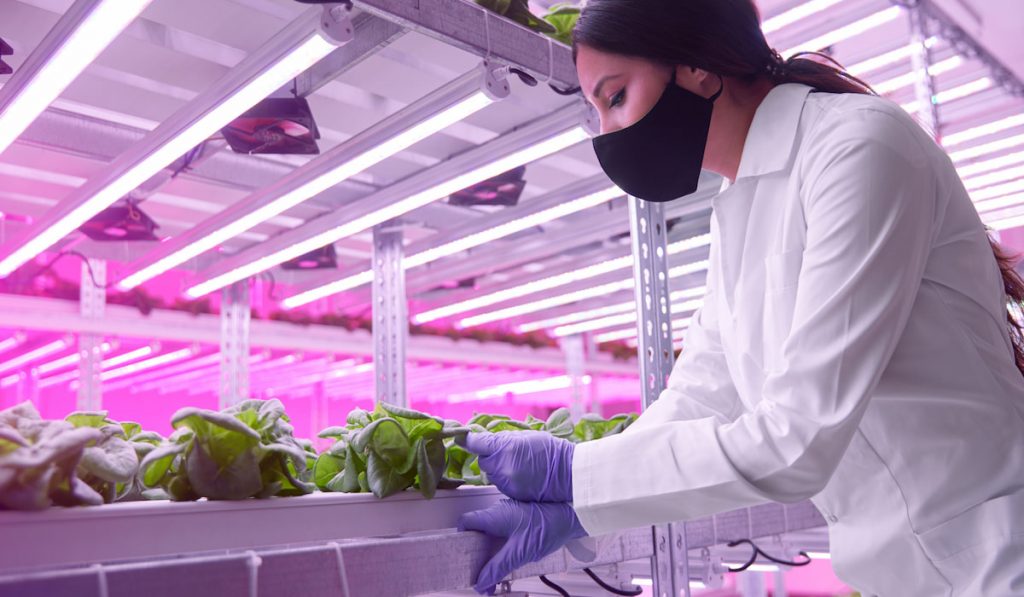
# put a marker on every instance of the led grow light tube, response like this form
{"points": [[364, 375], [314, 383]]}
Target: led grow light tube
{"points": [[291, 52], [34, 355], [796, 14], [298, 241], [843, 33], [128, 357], [891, 57], [11, 343], [163, 359], [983, 130], [1001, 202], [435, 112], [617, 320], [986, 180], [997, 191], [962, 91], [533, 386], [81, 34], [1006, 223], [457, 246], [987, 148], [210, 359], [69, 360], [533, 326], [1011, 159], [586, 273], [572, 297], [909, 79]]}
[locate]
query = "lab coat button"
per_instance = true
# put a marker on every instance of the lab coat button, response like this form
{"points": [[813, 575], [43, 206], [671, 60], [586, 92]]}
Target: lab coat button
{"points": [[832, 518]]}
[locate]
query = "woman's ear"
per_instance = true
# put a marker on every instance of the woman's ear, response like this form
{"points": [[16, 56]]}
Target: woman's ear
{"points": [[692, 79]]}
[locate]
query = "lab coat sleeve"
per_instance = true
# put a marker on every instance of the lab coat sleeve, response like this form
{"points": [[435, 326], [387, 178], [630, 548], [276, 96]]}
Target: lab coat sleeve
{"points": [[700, 385], [869, 200]]}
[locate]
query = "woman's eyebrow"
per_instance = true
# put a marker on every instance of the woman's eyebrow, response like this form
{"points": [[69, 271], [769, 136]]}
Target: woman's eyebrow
{"points": [[600, 84]]}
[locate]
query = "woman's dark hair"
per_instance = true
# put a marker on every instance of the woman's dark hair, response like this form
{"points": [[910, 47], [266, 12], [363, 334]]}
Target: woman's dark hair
{"points": [[724, 37]]}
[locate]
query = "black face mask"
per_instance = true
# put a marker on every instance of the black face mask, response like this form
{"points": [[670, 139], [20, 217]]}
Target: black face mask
{"points": [[659, 158]]}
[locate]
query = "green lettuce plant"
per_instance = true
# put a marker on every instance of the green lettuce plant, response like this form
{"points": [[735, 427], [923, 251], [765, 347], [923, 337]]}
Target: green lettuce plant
{"points": [[246, 450]]}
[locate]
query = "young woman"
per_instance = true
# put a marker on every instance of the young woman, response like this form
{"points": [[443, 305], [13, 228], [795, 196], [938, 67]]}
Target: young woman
{"points": [[854, 346]]}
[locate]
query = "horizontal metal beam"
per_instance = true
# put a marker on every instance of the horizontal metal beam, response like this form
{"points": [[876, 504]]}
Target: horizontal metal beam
{"points": [[475, 29], [53, 315]]}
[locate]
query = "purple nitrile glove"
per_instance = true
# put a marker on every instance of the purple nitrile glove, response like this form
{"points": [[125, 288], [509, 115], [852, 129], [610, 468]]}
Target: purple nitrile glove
{"points": [[530, 466], [531, 531]]}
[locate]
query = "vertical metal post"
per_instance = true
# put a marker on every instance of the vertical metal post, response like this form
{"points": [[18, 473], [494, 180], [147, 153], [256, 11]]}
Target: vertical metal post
{"points": [[234, 343], [92, 304], [318, 404], [575, 368], [921, 59], [670, 565], [390, 315]]}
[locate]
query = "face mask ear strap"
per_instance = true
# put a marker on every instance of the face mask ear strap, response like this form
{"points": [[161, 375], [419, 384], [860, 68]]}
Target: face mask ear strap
{"points": [[721, 86]]}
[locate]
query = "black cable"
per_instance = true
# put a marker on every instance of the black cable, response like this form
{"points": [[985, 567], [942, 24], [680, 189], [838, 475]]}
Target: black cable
{"points": [[758, 552], [554, 586], [524, 76], [81, 256], [611, 589]]}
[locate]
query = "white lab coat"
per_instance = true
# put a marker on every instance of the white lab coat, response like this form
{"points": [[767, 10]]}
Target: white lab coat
{"points": [[852, 349]]}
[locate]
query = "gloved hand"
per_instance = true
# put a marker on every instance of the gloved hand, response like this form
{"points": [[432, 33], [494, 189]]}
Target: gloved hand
{"points": [[530, 466], [531, 530]]}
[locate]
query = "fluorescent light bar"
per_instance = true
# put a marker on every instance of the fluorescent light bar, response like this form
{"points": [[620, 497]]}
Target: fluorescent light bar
{"points": [[592, 271], [11, 343], [67, 361], [540, 150], [141, 162], [986, 180], [86, 29], [1006, 223], [33, 355], [819, 555], [128, 357], [908, 79], [944, 97], [679, 295], [987, 148], [994, 164], [891, 57], [204, 361], [1000, 202], [457, 246], [796, 14], [983, 130], [548, 303], [844, 33], [617, 320], [754, 567], [997, 191], [533, 386], [400, 141], [643, 582], [572, 297], [163, 359]]}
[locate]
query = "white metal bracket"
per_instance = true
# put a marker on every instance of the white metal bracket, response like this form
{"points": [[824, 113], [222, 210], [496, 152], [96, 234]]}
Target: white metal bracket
{"points": [[92, 304], [336, 23], [235, 315], [495, 83], [390, 314]]}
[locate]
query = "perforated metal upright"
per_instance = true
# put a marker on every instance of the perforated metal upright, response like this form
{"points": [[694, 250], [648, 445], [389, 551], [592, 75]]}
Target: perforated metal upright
{"points": [[390, 315], [574, 348], [670, 565], [92, 304], [921, 59], [235, 314]]}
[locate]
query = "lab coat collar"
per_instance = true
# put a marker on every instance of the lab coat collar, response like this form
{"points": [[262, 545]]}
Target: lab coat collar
{"points": [[772, 134]]}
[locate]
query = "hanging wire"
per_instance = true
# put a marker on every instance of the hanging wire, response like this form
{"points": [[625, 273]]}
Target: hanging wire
{"points": [[758, 552], [611, 589], [554, 586], [88, 265]]}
